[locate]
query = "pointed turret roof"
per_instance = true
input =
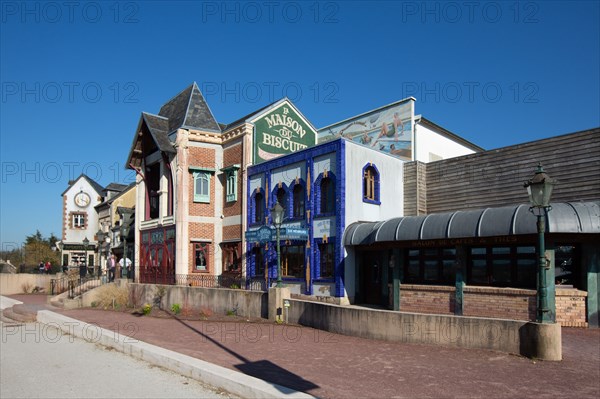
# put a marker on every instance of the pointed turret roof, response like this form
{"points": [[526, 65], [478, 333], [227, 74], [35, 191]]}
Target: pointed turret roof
{"points": [[188, 109]]}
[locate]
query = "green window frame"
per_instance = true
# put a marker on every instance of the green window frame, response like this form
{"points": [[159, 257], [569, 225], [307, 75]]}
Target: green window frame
{"points": [[202, 187], [231, 182], [201, 178]]}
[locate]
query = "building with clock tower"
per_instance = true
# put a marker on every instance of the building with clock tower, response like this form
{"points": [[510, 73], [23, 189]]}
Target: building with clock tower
{"points": [[80, 221]]}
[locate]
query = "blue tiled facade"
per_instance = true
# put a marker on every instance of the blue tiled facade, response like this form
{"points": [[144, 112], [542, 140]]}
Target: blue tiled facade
{"points": [[310, 181]]}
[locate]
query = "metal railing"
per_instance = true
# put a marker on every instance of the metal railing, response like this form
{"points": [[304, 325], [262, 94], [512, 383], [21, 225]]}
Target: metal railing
{"points": [[74, 285]]}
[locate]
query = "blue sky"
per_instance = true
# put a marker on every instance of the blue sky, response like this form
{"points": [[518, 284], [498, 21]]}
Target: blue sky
{"points": [[76, 76]]}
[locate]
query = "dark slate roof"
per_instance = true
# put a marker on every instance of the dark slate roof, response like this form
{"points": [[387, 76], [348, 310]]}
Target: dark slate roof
{"points": [[115, 187], [565, 217], [188, 109], [97, 187], [159, 129]]}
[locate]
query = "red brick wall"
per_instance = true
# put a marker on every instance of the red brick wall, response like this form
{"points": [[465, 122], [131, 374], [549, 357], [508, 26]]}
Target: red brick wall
{"points": [[204, 231], [232, 232], [233, 156], [501, 303], [205, 158]]}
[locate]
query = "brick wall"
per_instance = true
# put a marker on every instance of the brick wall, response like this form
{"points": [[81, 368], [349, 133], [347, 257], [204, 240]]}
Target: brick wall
{"points": [[500, 303], [426, 299], [232, 156], [201, 231], [570, 307], [205, 158], [232, 232]]}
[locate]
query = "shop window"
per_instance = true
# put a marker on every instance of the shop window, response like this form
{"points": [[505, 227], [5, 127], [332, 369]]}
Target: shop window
{"points": [[259, 261], [292, 261], [298, 198], [371, 184], [79, 220], [231, 257], [502, 266], [326, 258], [567, 265], [201, 257], [201, 187], [431, 266]]}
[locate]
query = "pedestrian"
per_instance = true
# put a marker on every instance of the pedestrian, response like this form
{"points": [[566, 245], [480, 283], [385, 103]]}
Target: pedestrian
{"points": [[41, 267], [125, 264], [112, 264], [48, 267]]}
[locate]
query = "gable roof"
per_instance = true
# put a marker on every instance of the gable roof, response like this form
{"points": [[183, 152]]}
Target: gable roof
{"points": [[97, 187], [188, 109]]}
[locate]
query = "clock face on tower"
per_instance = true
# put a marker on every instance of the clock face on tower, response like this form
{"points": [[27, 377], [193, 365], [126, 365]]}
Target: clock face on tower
{"points": [[82, 199]]}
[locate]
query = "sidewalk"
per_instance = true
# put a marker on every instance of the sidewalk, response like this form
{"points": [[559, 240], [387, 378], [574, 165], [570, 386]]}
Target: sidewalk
{"points": [[335, 366]]}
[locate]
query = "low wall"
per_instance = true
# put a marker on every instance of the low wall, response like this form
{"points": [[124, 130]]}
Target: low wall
{"points": [[11, 284], [542, 341], [500, 303], [570, 307], [217, 300]]}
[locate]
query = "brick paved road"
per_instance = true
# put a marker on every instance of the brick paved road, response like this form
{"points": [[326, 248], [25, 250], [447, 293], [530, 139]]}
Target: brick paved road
{"points": [[336, 366]]}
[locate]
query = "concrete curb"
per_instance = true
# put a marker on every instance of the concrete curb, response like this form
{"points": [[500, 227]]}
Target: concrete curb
{"points": [[6, 302], [219, 377]]}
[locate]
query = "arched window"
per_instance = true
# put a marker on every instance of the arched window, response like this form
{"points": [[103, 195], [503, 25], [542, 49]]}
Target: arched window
{"points": [[259, 208], [327, 191], [371, 184], [298, 198], [281, 196]]}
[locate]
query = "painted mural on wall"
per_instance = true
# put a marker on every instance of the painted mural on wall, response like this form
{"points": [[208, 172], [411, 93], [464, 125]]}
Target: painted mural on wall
{"points": [[280, 132], [387, 129]]}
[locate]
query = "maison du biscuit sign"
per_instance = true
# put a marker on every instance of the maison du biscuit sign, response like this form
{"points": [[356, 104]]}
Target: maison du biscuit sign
{"points": [[280, 132]]}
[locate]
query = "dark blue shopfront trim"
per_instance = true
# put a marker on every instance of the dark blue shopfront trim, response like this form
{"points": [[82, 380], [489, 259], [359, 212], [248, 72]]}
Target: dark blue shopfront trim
{"points": [[311, 208]]}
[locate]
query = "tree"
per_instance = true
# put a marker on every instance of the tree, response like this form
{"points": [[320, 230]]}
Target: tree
{"points": [[37, 237]]}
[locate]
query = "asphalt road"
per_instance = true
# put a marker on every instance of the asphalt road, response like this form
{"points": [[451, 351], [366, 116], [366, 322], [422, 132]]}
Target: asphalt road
{"points": [[38, 361]]}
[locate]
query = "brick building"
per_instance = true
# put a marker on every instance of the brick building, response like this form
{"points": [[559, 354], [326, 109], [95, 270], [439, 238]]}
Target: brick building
{"points": [[191, 177]]}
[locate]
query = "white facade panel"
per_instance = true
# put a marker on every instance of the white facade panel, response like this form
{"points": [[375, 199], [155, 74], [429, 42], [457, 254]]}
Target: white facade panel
{"points": [[433, 146], [391, 188]]}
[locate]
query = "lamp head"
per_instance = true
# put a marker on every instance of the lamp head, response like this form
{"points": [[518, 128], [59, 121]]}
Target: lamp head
{"points": [[539, 188], [277, 212]]}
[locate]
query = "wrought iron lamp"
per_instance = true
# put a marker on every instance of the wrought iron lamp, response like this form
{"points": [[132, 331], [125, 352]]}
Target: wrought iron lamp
{"points": [[277, 213], [83, 267], [124, 233], [539, 188]]}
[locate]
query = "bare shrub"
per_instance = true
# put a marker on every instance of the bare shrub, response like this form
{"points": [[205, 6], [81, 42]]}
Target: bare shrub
{"points": [[109, 296]]}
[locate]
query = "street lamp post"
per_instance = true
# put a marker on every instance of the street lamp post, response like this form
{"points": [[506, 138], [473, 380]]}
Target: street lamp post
{"points": [[100, 238], [124, 234], [277, 213], [83, 267], [539, 188]]}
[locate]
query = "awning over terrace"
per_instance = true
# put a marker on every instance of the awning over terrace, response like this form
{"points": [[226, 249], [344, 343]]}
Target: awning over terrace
{"points": [[568, 217]]}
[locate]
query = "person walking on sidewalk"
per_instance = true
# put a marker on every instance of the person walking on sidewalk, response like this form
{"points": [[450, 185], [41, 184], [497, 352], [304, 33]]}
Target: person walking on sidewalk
{"points": [[112, 264]]}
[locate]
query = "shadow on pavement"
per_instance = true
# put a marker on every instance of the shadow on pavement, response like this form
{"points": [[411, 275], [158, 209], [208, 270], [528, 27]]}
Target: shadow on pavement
{"points": [[262, 369]]}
